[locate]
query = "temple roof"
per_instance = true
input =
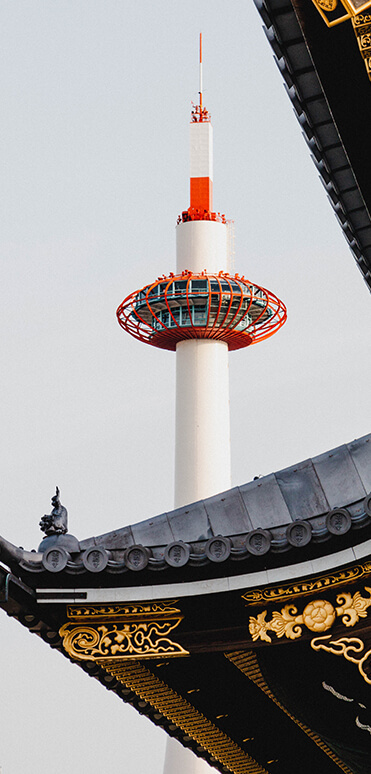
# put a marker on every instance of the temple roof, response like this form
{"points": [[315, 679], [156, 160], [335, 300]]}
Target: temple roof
{"points": [[194, 645], [315, 508]]}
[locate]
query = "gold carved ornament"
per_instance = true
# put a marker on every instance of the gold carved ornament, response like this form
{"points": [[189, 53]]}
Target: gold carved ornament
{"points": [[308, 586], [334, 12], [122, 631], [318, 616], [117, 637], [351, 648], [119, 611]]}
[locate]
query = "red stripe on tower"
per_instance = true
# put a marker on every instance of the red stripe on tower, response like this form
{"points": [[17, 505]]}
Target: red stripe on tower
{"points": [[201, 142]]}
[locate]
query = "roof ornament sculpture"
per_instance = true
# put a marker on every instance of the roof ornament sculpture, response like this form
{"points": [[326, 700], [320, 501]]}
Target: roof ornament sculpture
{"points": [[55, 523]]}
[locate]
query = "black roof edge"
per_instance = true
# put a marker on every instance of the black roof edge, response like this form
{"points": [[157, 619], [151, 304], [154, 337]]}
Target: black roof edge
{"points": [[309, 102]]}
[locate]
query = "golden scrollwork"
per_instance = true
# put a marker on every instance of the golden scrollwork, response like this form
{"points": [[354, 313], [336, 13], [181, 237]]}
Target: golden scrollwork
{"points": [[144, 639], [319, 615], [307, 586], [135, 610], [334, 12], [351, 648]]}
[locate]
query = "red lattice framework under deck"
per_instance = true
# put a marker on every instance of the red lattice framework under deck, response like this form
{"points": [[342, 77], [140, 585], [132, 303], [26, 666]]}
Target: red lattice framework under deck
{"points": [[201, 306]]}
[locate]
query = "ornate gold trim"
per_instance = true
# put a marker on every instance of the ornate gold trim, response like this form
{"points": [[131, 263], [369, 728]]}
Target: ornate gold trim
{"points": [[247, 663], [328, 6], [144, 639], [360, 21], [352, 648], [319, 615], [362, 28], [180, 712], [127, 611], [308, 586]]}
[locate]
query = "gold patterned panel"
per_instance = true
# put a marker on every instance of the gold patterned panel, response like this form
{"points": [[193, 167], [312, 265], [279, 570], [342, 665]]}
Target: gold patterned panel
{"points": [[144, 639], [326, 9], [307, 586], [362, 28], [247, 663], [319, 615], [351, 648], [124, 631], [334, 12], [180, 712]]}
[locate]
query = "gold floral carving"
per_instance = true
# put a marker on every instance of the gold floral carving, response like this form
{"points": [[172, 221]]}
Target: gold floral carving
{"points": [[247, 663], [352, 648], [352, 608], [318, 616], [307, 586], [144, 639], [184, 715]]}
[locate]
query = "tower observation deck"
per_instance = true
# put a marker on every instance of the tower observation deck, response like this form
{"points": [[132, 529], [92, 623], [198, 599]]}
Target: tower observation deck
{"points": [[201, 311], [201, 306]]}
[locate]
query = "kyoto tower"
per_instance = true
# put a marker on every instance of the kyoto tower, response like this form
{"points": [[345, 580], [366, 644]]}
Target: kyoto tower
{"points": [[201, 312]]}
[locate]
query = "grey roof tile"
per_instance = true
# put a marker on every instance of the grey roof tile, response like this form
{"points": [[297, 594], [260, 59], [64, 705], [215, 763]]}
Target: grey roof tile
{"points": [[360, 451], [338, 477], [227, 513], [302, 491], [153, 532], [264, 502], [190, 523], [118, 539]]}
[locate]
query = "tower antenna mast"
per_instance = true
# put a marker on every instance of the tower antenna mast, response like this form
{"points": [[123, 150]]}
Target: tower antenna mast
{"points": [[200, 92]]}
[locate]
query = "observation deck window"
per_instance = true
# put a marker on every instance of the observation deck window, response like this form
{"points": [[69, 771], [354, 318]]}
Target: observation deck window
{"points": [[199, 316], [185, 318], [180, 286], [175, 318], [199, 285]]}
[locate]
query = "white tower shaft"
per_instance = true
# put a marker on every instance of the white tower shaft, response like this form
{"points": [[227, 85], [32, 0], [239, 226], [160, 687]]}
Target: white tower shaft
{"points": [[202, 434], [202, 447]]}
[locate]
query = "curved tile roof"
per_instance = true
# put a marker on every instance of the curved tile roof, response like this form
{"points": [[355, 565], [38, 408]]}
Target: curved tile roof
{"points": [[313, 508]]}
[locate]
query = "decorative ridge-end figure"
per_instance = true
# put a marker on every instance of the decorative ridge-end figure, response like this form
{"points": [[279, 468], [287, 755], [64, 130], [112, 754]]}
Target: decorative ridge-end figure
{"points": [[55, 523]]}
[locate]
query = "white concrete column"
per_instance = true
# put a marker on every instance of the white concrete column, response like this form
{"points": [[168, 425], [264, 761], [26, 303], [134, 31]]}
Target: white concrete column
{"points": [[202, 434], [201, 245], [202, 441]]}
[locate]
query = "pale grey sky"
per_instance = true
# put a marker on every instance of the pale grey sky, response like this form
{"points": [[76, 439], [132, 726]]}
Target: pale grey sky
{"points": [[95, 101]]}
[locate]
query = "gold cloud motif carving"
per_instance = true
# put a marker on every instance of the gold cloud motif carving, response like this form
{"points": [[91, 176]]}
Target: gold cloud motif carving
{"points": [[351, 648]]}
